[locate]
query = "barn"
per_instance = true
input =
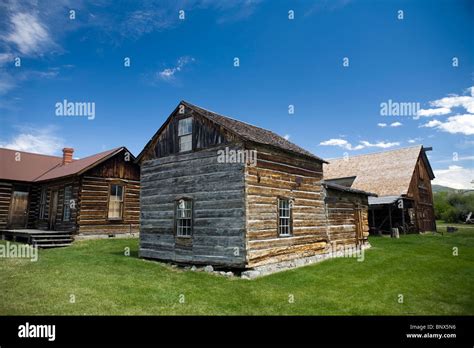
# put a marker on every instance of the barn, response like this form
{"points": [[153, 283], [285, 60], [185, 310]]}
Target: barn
{"points": [[402, 180], [218, 191], [49, 200]]}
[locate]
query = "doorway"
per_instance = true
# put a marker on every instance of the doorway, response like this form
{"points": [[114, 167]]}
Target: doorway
{"points": [[19, 209]]}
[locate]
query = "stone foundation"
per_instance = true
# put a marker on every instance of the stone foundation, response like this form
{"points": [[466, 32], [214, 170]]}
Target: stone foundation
{"points": [[348, 252]]}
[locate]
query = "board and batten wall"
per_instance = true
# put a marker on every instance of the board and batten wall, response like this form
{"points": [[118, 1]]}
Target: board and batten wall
{"points": [[217, 194], [280, 175]]}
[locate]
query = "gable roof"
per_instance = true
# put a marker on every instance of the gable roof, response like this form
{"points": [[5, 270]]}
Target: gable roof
{"points": [[386, 173], [242, 130], [28, 167], [35, 167]]}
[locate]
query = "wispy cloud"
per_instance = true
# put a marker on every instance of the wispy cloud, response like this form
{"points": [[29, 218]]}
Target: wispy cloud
{"points": [[396, 124], [344, 144], [382, 125], [37, 140], [28, 34], [454, 176], [168, 74]]}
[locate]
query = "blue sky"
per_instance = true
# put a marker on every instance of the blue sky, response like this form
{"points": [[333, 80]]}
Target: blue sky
{"points": [[424, 54]]}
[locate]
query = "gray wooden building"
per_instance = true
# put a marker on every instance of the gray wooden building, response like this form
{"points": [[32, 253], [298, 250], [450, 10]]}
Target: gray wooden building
{"points": [[215, 190]]}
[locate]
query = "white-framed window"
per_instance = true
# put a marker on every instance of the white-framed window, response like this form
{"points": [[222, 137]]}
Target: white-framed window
{"points": [[184, 217], [185, 134], [284, 217], [67, 203], [42, 207], [115, 202]]}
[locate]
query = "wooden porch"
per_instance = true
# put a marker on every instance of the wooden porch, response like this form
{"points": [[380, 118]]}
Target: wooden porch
{"points": [[39, 238]]}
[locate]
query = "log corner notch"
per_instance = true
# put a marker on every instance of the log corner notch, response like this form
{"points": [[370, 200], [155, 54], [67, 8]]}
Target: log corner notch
{"points": [[245, 213]]}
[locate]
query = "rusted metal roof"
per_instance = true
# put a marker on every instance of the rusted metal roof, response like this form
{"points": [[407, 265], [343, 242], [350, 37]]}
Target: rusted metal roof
{"points": [[25, 166], [34, 167], [386, 173]]}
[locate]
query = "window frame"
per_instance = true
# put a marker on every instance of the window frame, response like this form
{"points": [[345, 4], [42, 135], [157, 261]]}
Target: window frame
{"points": [[122, 202], [190, 134], [67, 205], [289, 218], [177, 219]]}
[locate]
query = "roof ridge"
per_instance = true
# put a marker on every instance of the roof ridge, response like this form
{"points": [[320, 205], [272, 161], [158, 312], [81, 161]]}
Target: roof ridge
{"points": [[303, 150], [231, 118], [30, 153], [377, 152]]}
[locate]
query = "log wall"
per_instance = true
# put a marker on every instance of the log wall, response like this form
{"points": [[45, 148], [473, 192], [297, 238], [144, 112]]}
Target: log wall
{"points": [[342, 221], [94, 197], [5, 198], [217, 192], [281, 175]]}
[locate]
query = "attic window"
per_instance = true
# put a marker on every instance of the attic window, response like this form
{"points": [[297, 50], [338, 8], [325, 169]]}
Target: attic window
{"points": [[185, 134]]}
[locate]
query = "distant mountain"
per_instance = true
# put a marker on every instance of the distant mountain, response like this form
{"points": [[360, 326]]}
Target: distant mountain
{"points": [[440, 188]]}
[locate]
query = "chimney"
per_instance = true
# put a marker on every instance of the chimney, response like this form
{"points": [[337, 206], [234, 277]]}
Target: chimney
{"points": [[67, 155]]}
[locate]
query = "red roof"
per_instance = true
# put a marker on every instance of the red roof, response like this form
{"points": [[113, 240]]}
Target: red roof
{"points": [[35, 167]]}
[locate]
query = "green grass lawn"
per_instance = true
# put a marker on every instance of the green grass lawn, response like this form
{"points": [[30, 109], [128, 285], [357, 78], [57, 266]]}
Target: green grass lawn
{"points": [[422, 268]]}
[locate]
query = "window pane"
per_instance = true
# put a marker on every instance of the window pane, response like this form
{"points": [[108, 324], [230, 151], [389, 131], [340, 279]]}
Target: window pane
{"points": [[284, 216], [185, 126], [185, 143], [115, 202]]}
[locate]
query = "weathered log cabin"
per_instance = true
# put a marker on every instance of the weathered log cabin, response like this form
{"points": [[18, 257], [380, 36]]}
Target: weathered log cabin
{"points": [[402, 180], [218, 191], [95, 196]]}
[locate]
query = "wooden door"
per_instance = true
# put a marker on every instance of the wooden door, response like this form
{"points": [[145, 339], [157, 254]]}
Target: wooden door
{"points": [[53, 209], [18, 210]]}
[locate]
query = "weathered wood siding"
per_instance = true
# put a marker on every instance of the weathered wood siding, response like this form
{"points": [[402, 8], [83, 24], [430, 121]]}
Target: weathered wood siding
{"points": [[421, 192], [217, 192], [94, 197], [342, 221], [281, 175], [205, 135], [5, 198]]}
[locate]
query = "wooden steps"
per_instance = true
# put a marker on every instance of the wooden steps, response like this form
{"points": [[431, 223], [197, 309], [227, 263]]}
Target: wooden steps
{"points": [[52, 239]]}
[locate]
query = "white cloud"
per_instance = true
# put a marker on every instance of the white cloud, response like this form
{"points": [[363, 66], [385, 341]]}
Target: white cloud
{"points": [[415, 140], [286, 137], [396, 124], [342, 143], [432, 112], [5, 58], [43, 141], [445, 105], [380, 144], [382, 125], [168, 73], [455, 176], [463, 124], [28, 34]]}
